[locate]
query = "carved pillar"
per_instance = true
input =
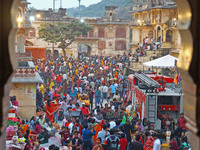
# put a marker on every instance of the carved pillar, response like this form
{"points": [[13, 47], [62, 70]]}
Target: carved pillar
{"points": [[189, 65], [8, 9]]}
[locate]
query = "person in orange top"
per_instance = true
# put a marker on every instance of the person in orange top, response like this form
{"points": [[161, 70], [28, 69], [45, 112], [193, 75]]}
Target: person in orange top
{"points": [[58, 79], [116, 75], [51, 108], [72, 80], [97, 128], [102, 62], [24, 127], [56, 96]]}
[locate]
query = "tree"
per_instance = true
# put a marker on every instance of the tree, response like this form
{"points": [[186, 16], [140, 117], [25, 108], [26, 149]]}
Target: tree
{"points": [[63, 33]]}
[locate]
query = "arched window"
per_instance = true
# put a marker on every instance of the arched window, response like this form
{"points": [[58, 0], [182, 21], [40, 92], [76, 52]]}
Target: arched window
{"points": [[169, 36]]}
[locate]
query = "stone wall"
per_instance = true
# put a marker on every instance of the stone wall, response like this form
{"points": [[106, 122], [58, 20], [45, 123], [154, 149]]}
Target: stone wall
{"points": [[26, 97]]}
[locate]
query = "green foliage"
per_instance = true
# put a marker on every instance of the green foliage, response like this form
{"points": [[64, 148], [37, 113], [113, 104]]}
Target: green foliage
{"points": [[98, 10], [61, 32]]}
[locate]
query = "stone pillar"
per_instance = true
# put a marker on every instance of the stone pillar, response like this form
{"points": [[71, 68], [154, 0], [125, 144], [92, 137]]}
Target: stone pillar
{"points": [[7, 59], [20, 44]]}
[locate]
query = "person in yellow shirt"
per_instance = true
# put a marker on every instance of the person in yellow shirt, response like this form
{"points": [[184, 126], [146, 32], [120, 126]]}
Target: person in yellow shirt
{"points": [[36, 67], [41, 90], [69, 64], [51, 84], [76, 71]]}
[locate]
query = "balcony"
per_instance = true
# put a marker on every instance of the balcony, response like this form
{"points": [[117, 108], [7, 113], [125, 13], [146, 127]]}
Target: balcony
{"points": [[26, 26], [27, 56], [172, 23], [140, 23], [87, 37]]}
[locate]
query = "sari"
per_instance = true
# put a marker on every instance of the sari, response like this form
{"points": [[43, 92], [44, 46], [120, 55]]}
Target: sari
{"points": [[50, 110], [149, 143], [97, 128], [98, 147]]}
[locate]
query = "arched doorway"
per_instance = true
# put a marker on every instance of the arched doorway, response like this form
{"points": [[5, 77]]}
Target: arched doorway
{"points": [[169, 34], [28, 43], [159, 34], [56, 53], [84, 50]]}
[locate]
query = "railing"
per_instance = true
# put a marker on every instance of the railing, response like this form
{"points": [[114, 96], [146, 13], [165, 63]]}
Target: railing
{"points": [[26, 26], [172, 23], [87, 36], [22, 55], [147, 22], [140, 23]]}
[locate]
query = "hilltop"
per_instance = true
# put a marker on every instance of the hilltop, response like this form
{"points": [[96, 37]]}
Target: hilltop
{"points": [[98, 10]]}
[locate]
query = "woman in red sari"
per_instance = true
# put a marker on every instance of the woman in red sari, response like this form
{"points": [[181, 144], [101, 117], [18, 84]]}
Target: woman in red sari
{"points": [[149, 143], [51, 108]]}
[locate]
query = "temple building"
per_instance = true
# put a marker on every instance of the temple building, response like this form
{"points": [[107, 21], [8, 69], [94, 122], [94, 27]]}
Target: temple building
{"points": [[157, 19], [110, 35]]}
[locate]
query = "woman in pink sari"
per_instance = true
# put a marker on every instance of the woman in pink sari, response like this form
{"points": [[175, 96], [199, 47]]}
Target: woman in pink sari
{"points": [[37, 129]]}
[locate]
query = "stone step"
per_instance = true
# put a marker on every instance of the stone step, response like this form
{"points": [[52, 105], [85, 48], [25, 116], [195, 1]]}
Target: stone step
{"points": [[144, 58]]}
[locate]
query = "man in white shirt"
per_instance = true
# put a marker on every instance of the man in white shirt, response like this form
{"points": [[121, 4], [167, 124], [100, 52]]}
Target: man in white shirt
{"points": [[112, 123], [129, 107], [104, 91], [157, 143], [46, 69], [64, 76], [71, 125], [64, 104]]}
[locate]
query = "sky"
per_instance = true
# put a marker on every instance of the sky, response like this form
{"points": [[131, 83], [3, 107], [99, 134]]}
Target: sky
{"points": [[45, 4]]}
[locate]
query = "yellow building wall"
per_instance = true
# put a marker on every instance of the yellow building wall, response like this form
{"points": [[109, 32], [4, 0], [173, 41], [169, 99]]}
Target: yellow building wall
{"points": [[26, 97]]}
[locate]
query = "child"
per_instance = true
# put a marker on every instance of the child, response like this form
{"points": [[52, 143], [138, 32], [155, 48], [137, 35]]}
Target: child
{"points": [[168, 134], [64, 134], [123, 142]]}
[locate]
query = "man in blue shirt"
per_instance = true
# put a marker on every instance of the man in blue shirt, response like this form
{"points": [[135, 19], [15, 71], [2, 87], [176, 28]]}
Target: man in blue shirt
{"points": [[113, 90], [87, 138], [97, 97]]}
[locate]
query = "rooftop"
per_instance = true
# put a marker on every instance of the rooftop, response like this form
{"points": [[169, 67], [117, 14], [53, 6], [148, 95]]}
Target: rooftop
{"points": [[25, 64], [36, 79]]}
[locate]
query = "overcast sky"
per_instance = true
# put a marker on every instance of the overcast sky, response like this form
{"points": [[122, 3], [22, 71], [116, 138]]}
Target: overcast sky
{"points": [[45, 4]]}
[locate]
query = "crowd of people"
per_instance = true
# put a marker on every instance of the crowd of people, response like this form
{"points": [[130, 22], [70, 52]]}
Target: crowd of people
{"points": [[85, 101]]}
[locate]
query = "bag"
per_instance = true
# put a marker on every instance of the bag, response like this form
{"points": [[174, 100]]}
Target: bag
{"points": [[113, 143]]}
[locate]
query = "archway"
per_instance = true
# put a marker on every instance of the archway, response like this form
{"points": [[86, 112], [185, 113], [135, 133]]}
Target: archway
{"points": [[28, 43], [84, 50], [189, 72], [159, 34], [169, 34]]}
